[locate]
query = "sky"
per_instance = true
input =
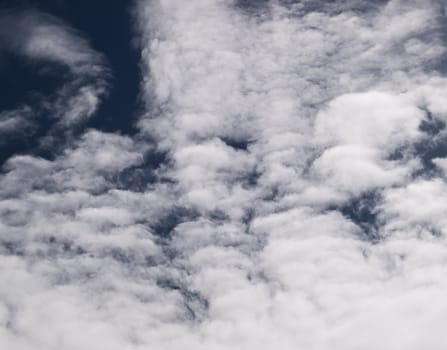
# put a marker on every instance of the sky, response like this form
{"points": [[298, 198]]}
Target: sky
{"points": [[223, 174]]}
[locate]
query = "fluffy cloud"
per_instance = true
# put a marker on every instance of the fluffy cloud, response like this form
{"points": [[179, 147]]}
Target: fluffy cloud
{"points": [[275, 122]]}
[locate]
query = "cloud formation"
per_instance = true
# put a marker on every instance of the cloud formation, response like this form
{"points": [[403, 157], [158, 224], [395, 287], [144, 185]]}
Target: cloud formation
{"points": [[280, 192], [41, 39]]}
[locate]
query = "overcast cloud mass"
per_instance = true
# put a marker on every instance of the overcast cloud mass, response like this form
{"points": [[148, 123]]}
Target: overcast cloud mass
{"points": [[285, 186]]}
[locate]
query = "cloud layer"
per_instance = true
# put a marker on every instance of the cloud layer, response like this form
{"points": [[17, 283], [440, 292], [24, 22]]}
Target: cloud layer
{"points": [[285, 189]]}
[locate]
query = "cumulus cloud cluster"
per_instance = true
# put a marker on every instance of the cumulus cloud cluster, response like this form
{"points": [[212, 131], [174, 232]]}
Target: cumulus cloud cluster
{"points": [[286, 188]]}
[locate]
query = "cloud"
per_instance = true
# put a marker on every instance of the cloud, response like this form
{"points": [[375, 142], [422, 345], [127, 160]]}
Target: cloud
{"points": [[271, 125], [373, 119], [330, 104], [15, 121], [42, 39]]}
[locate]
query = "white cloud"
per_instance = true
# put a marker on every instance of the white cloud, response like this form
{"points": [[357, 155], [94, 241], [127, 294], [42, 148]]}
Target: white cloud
{"points": [[272, 122], [358, 169], [375, 119]]}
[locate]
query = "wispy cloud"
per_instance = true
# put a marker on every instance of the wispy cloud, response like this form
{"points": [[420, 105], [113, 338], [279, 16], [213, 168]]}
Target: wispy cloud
{"points": [[41, 38]]}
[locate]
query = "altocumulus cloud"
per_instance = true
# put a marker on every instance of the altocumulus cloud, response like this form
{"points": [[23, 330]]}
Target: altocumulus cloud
{"points": [[286, 187]]}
